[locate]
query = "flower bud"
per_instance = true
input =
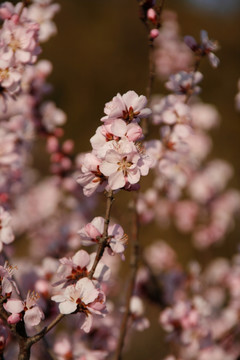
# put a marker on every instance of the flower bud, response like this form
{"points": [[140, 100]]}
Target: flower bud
{"points": [[154, 33], [152, 15]]}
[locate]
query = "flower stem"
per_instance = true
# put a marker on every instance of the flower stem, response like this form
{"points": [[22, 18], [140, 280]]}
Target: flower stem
{"points": [[104, 240], [134, 260]]}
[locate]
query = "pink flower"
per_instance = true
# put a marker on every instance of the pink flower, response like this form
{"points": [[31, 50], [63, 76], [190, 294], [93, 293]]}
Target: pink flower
{"points": [[114, 131], [182, 315], [204, 116], [184, 82], [124, 165], [6, 234], [7, 282], [128, 107], [170, 110], [52, 116], [20, 42], [8, 151], [93, 232], [28, 309], [42, 13], [91, 178], [140, 322], [84, 298], [73, 269], [160, 256], [117, 240], [8, 10], [208, 46], [9, 76], [205, 48]]}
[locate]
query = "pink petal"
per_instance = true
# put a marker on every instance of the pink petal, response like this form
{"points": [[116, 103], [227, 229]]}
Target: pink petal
{"points": [[88, 292], [119, 128], [14, 318], [116, 180], [116, 230], [23, 56], [33, 316], [85, 322], [134, 132], [13, 306], [67, 307], [133, 176], [81, 258], [98, 223], [108, 168]]}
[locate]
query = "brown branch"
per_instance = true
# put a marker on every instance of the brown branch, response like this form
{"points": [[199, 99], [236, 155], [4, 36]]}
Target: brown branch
{"points": [[143, 6], [133, 266], [151, 77], [35, 338], [102, 244], [18, 331], [24, 4], [135, 250], [104, 240], [195, 69]]}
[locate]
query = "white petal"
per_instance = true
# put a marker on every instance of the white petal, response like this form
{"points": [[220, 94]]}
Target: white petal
{"points": [[116, 180], [67, 307]]}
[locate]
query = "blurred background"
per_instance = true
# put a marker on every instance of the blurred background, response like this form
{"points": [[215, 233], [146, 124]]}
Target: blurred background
{"points": [[101, 49]]}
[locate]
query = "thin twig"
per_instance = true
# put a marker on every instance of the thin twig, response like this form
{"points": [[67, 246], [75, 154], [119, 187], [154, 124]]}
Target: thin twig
{"points": [[134, 266], [24, 4], [103, 243], [135, 250], [195, 69], [104, 240], [151, 61], [35, 338]]}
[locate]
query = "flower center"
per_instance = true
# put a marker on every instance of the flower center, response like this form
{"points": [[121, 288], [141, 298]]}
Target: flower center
{"points": [[4, 74], [129, 115], [14, 44], [124, 165], [77, 273]]}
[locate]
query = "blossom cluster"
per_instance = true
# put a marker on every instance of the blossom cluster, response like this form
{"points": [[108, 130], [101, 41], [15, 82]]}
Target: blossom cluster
{"points": [[179, 154], [199, 306], [117, 159]]}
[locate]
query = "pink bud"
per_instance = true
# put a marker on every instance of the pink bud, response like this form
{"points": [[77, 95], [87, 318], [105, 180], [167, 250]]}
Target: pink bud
{"points": [[5, 13], [58, 132], [152, 15], [14, 318], [15, 19], [68, 146], [69, 184], [92, 231], [66, 163], [42, 287], [154, 33], [52, 144], [56, 157]]}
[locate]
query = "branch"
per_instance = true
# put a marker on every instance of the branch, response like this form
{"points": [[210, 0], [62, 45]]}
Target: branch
{"points": [[24, 4], [103, 243], [143, 6], [35, 338], [104, 240], [133, 266]]}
